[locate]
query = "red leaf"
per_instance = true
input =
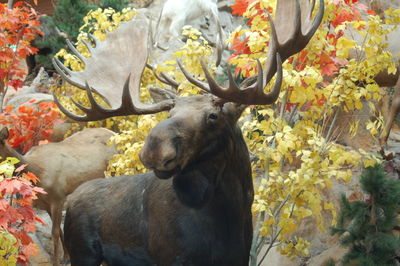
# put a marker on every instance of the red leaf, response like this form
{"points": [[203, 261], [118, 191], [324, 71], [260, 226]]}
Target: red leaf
{"points": [[18, 4], [239, 7], [9, 185], [25, 190], [39, 220], [4, 221], [15, 83], [3, 205], [240, 47], [39, 190], [21, 168], [329, 69], [25, 109]]}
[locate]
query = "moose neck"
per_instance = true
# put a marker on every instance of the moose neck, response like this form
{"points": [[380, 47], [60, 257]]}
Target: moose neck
{"points": [[7, 151], [32, 166], [233, 171], [220, 175], [219, 193]]}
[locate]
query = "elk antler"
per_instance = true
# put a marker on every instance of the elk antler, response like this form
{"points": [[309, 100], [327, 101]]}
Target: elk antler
{"points": [[123, 52], [294, 29]]}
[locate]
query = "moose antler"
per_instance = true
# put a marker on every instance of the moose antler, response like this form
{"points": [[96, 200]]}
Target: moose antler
{"points": [[291, 32], [123, 52]]}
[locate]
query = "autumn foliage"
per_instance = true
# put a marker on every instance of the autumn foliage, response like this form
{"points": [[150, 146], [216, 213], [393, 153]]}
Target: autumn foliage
{"points": [[294, 139], [30, 125], [18, 27], [17, 218]]}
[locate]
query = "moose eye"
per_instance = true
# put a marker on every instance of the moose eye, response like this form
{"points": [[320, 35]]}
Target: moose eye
{"points": [[213, 116]]}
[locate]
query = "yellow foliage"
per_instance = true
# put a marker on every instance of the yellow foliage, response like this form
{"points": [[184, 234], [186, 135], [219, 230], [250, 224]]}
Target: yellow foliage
{"points": [[298, 156], [132, 134], [8, 248], [131, 130]]}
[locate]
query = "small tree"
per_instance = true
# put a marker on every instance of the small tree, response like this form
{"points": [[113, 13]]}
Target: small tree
{"points": [[30, 125], [18, 27], [365, 226], [17, 216]]}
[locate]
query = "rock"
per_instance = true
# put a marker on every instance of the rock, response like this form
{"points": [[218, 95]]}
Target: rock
{"points": [[274, 258], [140, 3], [25, 98], [225, 6], [208, 29], [42, 238], [336, 253], [42, 258]]}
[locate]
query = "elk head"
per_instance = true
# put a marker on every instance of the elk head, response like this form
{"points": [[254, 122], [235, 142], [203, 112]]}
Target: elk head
{"points": [[199, 126]]}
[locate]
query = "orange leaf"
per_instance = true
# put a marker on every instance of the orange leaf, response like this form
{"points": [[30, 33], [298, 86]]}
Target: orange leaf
{"points": [[239, 7], [32, 101], [31, 177]]}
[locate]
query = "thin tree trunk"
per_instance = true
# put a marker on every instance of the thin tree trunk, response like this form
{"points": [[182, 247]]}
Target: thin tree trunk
{"points": [[10, 4]]}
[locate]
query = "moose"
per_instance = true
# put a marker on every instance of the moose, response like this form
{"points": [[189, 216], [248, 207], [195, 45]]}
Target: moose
{"points": [[62, 167], [194, 207]]}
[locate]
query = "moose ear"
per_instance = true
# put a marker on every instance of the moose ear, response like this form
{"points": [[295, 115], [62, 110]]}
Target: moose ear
{"points": [[193, 188], [4, 134], [233, 110], [159, 95]]}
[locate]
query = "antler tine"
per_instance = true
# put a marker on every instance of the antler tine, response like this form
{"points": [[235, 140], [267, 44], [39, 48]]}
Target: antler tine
{"points": [[67, 112], [168, 80], [91, 36], [75, 51], [253, 94], [317, 20], [293, 37], [270, 67], [65, 73], [129, 106], [88, 46], [124, 51], [96, 112], [274, 93], [288, 38], [192, 80], [219, 43], [164, 78], [140, 108], [217, 90]]}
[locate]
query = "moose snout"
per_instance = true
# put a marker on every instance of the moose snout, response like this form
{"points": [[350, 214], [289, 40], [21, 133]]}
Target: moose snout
{"points": [[158, 156]]}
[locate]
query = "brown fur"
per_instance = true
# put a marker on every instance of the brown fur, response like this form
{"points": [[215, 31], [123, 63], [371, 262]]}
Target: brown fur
{"points": [[62, 167], [199, 215]]}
